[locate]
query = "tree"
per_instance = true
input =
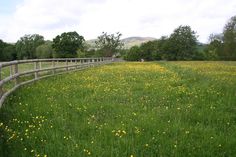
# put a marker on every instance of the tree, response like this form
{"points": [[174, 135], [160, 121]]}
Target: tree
{"points": [[45, 50], [109, 44], [9, 53], [147, 50], [215, 49], [161, 48], [2, 46], [133, 54], [67, 44], [182, 44], [26, 46], [229, 39]]}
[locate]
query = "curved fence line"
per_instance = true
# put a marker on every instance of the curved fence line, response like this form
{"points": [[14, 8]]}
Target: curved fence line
{"points": [[58, 66]]}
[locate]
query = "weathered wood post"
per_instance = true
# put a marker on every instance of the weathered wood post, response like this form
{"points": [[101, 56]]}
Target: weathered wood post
{"points": [[53, 66], [11, 70], [89, 60], [76, 62], [36, 67], [40, 65], [93, 62], [16, 72], [71, 62], [67, 65]]}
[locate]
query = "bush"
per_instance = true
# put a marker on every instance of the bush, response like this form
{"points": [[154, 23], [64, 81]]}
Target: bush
{"points": [[133, 54]]}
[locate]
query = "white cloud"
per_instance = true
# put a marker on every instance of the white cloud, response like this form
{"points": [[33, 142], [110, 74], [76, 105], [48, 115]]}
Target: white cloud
{"points": [[131, 17]]}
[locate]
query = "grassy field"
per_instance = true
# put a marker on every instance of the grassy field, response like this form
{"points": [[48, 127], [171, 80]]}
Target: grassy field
{"points": [[125, 110], [8, 71]]}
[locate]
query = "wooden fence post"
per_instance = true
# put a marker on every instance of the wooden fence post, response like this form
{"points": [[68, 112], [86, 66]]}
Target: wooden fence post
{"points": [[67, 65], [11, 70], [16, 72], [36, 67], [71, 61], [53, 66], [76, 62], [40, 65]]}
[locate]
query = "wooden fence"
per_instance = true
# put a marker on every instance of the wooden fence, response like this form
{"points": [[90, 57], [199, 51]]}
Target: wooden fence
{"points": [[57, 66]]}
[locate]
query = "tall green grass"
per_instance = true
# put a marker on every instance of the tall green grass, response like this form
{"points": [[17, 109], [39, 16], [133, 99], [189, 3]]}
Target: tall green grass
{"points": [[125, 110]]}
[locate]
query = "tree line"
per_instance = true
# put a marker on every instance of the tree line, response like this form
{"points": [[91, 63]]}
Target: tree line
{"points": [[66, 45], [182, 44]]}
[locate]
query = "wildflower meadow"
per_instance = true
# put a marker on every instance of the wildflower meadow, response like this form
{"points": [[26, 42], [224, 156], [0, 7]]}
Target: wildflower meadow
{"points": [[125, 109]]}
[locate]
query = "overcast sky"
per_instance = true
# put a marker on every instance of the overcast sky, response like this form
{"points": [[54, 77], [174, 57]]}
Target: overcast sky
{"points": [[146, 18]]}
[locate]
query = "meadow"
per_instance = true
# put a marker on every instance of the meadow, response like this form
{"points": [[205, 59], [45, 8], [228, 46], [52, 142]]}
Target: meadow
{"points": [[125, 110]]}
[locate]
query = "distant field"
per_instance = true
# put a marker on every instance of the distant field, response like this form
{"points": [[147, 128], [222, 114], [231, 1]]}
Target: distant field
{"points": [[125, 110]]}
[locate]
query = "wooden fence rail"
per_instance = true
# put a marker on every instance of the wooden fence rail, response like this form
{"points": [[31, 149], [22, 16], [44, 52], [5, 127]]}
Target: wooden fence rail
{"points": [[16, 75]]}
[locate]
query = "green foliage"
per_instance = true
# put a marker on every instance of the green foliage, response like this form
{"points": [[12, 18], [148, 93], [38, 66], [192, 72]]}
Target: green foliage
{"points": [[2, 46], [7, 51], [215, 49], [67, 44], [109, 44], [182, 44], [133, 54], [161, 48], [230, 39], [87, 53], [152, 50], [45, 50], [26, 46], [147, 50], [223, 46]]}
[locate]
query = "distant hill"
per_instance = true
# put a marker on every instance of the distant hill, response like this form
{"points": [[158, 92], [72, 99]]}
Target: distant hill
{"points": [[132, 41], [128, 42]]}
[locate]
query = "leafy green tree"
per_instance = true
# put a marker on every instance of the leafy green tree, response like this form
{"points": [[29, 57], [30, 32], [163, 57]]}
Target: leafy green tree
{"points": [[45, 50], [229, 39], [67, 44], [182, 44], [26, 46], [2, 46], [160, 49], [215, 49], [9, 52], [147, 50], [133, 54], [151, 50], [109, 44]]}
